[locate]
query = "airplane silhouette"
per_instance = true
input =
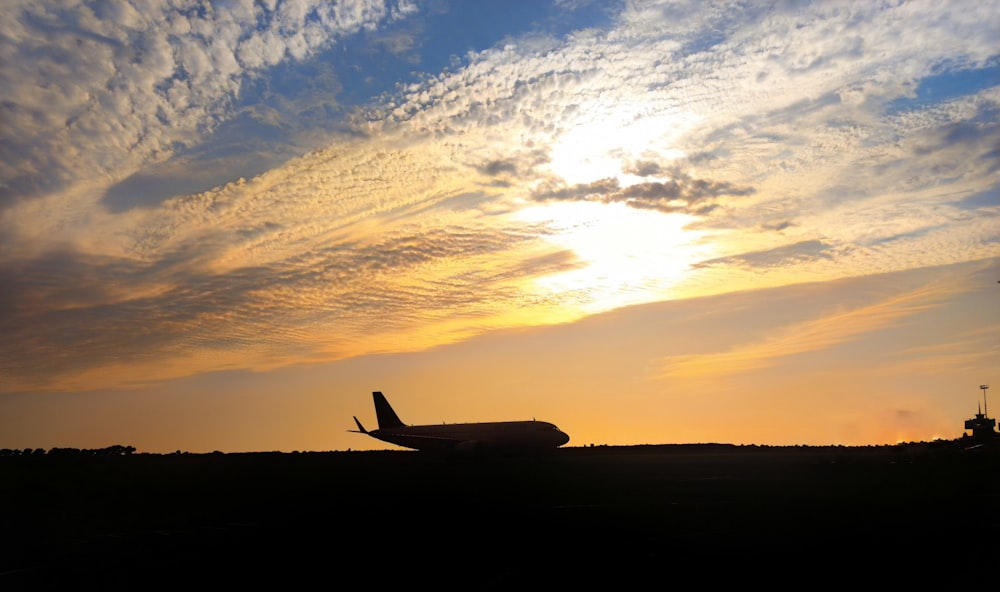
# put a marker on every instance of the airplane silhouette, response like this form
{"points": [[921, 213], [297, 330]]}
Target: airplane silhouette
{"points": [[506, 436]]}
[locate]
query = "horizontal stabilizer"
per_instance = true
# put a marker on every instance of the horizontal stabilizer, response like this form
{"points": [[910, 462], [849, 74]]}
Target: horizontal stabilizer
{"points": [[361, 429]]}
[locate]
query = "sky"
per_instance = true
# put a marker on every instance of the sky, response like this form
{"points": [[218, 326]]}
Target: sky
{"points": [[224, 224]]}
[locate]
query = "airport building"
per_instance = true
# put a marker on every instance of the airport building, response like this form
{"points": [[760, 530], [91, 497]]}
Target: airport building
{"points": [[982, 425]]}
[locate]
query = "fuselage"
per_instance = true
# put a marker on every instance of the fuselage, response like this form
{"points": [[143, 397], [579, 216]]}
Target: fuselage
{"points": [[518, 436], [500, 435]]}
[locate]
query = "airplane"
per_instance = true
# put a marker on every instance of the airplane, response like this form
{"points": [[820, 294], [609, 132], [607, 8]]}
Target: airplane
{"points": [[506, 436]]}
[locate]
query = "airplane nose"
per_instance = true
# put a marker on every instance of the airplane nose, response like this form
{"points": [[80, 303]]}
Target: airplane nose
{"points": [[563, 438]]}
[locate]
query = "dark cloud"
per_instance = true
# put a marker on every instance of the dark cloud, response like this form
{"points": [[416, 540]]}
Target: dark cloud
{"points": [[902, 236], [944, 152], [646, 168], [777, 226], [982, 128], [773, 258], [518, 165], [680, 194], [498, 167], [596, 191]]}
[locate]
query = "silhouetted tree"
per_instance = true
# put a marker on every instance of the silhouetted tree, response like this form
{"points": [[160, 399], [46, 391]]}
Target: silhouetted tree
{"points": [[117, 450], [65, 452]]}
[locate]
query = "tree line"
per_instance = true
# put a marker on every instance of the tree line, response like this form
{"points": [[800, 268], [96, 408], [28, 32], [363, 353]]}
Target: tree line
{"points": [[116, 450]]}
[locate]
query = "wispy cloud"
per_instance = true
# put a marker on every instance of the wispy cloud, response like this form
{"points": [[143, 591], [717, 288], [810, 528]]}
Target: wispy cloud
{"points": [[822, 333], [772, 258], [66, 315]]}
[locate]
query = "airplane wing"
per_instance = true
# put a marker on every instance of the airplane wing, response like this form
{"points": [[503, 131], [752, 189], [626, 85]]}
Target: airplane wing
{"points": [[429, 438]]}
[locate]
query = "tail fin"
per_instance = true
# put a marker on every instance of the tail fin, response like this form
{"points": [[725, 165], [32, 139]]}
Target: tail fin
{"points": [[387, 418], [361, 429]]}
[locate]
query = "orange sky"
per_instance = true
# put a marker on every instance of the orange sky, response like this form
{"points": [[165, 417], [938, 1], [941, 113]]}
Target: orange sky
{"points": [[871, 360], [646, 223]]}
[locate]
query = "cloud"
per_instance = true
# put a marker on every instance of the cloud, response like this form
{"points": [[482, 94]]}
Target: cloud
{"points": [[830, 330], [791, 87], [773, 258], [781, 127], [777, 225], [498, 167], [93, 91], [65, 315], [678, 194]]}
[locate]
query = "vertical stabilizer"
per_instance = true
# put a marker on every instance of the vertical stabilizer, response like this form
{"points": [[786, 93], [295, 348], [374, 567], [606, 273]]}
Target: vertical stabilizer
{"points": [[387, 418]]}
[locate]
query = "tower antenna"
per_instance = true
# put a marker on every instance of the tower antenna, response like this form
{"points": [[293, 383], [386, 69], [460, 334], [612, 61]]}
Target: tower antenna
{"points": [[984, 387]]}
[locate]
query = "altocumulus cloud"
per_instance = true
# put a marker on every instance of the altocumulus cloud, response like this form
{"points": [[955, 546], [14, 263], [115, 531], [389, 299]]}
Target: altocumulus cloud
{"points": [[97, 89]]}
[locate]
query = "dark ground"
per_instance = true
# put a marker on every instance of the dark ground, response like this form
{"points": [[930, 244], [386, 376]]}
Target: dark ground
{"points": [[608, 517]]}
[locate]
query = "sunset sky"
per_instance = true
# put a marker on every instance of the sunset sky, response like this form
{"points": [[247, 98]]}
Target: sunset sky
{"points": [[224, 224]]}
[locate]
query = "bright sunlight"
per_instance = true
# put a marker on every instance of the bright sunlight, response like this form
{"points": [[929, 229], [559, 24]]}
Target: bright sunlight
{"points": [[628, 256]]}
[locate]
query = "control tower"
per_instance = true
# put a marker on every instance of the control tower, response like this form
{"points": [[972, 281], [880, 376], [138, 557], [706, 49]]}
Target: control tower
{"points": [[982, 425]]}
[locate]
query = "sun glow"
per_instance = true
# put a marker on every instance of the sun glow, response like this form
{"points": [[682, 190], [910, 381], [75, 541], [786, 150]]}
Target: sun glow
{"points": [[597, 147], [626, 255]]}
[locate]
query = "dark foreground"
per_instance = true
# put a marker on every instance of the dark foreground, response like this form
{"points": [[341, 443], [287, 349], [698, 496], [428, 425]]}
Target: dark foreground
{"points": [[581, 517]]}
